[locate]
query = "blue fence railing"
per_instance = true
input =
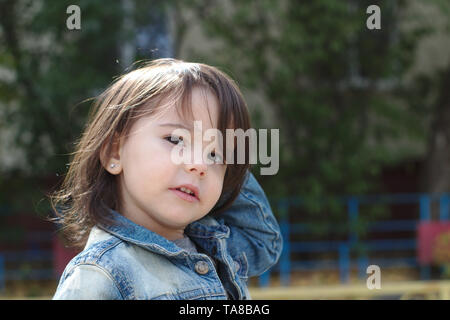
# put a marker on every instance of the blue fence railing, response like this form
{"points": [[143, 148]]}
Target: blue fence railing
{"points": [[342, 249], [33, 263], [344, 262]]}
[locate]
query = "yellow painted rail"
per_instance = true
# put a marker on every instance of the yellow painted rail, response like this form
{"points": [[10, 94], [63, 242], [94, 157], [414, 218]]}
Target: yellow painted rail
{"points": [[439, 290], [436, 290]]}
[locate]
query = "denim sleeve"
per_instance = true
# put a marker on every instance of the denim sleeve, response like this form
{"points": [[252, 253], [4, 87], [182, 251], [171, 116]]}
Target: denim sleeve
{"points": [[254, 231], [87, 282]]}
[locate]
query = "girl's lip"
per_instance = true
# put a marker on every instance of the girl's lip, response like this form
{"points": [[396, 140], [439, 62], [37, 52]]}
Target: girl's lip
{"points": [[184, 195], [191, 187]]}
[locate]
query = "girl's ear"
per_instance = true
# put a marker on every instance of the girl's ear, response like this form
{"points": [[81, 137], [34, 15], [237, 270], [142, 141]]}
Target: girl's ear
{"points": [[110, 155]]}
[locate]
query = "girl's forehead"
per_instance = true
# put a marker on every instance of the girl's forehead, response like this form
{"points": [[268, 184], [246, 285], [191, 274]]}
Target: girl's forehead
{"points": [[203, 108]]}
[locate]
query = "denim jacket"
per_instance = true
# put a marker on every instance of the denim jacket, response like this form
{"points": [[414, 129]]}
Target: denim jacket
{"points": [[128, 261]]}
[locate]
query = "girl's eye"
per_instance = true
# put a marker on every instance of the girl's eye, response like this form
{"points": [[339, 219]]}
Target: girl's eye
{"points": [[174, 139], [217, 158]]}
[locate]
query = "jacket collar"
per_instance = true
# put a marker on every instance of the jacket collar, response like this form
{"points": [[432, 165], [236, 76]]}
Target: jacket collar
{"points": [[125, 229]]}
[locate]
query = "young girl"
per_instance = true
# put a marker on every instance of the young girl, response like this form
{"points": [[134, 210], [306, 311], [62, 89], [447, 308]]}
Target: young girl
{"points": [[152, 228]]}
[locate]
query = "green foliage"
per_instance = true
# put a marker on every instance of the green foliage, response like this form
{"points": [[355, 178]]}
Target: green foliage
{"points": [[332, 85], [57, 71], [61, 69], [335, 87]]}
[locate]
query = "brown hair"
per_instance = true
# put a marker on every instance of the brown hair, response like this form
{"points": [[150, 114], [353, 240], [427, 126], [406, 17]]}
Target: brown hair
{"points": [[88, 190]]}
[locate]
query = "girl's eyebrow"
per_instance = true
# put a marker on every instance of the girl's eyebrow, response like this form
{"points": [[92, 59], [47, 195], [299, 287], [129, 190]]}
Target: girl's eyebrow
{"points": [[177, 125]]}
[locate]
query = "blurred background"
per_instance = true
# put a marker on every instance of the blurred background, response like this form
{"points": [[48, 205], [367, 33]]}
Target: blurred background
{"points": [[363, 114]]}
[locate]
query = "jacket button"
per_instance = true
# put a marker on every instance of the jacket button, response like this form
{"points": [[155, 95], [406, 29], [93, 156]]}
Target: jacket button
{"points": [[236, 266], [201, 267]]}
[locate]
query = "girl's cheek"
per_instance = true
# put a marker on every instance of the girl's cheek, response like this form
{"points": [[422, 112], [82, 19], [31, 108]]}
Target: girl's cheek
{"points": [[221, 170], [219, 176]]}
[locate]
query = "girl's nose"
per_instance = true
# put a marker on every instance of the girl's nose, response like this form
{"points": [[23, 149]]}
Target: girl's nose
{"points": [[199, 169]]}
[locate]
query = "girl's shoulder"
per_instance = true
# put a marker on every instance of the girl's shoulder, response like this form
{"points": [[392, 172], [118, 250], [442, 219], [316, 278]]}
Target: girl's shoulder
{"points": [[101, 250], [97, 251], [94, 272], [96, 254]]}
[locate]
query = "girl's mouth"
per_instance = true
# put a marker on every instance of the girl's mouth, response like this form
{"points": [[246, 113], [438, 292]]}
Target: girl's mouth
{"points": [[184, 195]]}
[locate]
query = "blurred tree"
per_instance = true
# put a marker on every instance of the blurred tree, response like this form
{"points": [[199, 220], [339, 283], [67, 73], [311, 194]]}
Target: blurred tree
{"points": [[56, 71], [331, 83], [429, 92], [331, 86]]}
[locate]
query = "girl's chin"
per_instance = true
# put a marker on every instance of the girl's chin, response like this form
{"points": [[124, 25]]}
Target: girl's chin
{"points": [[181, 219]]}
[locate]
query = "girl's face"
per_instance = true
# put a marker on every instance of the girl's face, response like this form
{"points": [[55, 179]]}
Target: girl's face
{"points": [[150, 182]]}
